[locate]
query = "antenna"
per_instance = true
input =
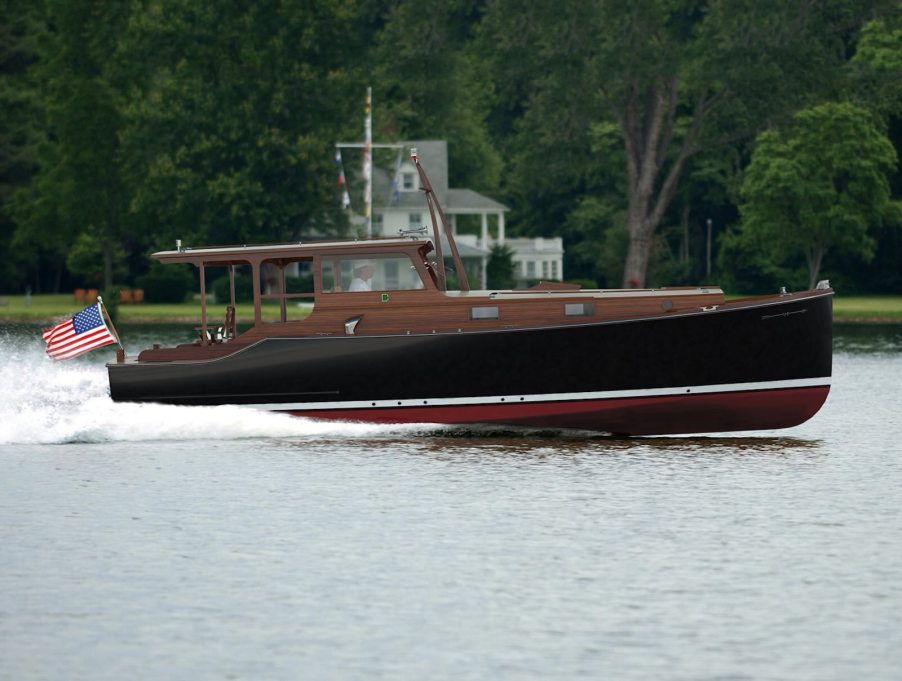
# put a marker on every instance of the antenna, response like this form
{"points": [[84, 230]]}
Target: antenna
{"points": [[434, 205]]}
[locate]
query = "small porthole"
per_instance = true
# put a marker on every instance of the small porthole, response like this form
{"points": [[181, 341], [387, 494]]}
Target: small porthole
{"points": [[579, 309], [483, 313]]}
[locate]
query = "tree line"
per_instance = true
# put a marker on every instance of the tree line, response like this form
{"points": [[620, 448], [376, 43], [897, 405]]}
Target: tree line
{"points": [[667, 141]]}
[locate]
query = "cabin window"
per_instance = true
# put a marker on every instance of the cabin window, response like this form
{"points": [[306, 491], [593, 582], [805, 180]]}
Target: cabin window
{"points": [[483, 313], [377, 273], [286, 289], [392, 278], [579, 309]]}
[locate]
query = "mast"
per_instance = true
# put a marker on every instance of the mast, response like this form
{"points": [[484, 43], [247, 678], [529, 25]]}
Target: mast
{"points": [[367, 146], [434, 205]]}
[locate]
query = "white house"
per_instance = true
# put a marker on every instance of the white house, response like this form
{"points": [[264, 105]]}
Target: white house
{"points": [[398, 204]]}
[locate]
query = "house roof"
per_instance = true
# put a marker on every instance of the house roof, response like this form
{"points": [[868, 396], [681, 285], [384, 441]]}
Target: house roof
{"points": [[458, 200], [465, 250], [433, 155]]}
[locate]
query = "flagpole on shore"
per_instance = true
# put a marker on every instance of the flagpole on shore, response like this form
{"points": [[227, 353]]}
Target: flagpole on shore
{"points": [[368, 162], [109, 319], [368, 146]]}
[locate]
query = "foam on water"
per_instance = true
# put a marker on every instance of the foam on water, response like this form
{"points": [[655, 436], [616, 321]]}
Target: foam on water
{"points": [[46, 402]]}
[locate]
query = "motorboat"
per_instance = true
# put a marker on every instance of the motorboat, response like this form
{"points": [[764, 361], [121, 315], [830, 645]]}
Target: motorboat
{"points": [[392, 333]]}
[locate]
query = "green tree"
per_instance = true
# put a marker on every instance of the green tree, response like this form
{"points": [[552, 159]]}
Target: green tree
{"points": [[77, 187], [876, 68], [20, 29], [232, 114], [500, 268], [428, 85], [673, 78], [818, 185]]}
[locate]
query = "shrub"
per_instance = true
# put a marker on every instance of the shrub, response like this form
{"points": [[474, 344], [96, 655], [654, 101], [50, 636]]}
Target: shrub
{"points": [[111, 301], [166, 284], [299, 284], [583, 283], [244, 289]]}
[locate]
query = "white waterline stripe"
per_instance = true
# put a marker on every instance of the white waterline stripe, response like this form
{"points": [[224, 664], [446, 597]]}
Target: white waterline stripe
{"points": [[547, 397]]}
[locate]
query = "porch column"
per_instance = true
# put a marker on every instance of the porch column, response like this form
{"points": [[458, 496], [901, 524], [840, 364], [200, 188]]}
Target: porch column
{"points": [[485, 232], [501, 228]]}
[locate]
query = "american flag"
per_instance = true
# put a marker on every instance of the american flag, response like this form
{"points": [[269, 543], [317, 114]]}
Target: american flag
{"points": [[81, 334]]}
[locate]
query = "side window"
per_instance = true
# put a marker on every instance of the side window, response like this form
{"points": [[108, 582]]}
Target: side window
{"points": [[381, 273], [332, 279]]}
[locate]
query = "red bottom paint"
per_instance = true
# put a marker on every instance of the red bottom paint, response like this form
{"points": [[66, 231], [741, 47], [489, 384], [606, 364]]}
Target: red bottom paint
{"points": [[713, 412]]}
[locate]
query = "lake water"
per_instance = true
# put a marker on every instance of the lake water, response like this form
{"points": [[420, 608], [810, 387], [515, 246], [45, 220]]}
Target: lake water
{"points": [[159, 542]]}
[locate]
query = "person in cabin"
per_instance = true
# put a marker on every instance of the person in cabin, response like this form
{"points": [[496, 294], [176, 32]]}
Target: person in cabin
{"points": [[363, 276]]}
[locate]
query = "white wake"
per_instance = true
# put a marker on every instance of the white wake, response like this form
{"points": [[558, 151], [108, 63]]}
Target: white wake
{"points": [[46, 402]]}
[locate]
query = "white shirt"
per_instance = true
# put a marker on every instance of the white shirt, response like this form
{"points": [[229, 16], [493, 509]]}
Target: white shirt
{"points": [[358, 284]]}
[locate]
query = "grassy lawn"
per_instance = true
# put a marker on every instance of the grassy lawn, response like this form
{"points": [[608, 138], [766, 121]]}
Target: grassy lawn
{"points": [[867, 308], [48, 308]]}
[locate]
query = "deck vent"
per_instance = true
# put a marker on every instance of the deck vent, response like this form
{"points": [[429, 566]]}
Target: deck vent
{"points": [[489, 312], [579, 309], [351, 325]]}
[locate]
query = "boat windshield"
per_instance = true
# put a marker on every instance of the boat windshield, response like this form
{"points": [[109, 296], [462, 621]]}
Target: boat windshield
{"points": [[377, 273]]}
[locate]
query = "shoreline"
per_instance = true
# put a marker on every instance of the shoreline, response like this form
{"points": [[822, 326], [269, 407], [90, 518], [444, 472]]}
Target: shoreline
{"points": [[883, 320], [51, 308]]}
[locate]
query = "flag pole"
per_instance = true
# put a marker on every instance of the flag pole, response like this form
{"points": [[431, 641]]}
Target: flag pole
{"points": [[112, 326], [368, 162]]}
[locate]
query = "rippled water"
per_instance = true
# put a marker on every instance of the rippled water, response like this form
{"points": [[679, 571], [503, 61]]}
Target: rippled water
{"points": [[159, 542]]}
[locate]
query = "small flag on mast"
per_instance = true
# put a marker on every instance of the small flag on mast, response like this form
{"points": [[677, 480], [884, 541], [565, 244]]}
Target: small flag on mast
{"points": [[82, 333], [345, 197], [396, 182]]}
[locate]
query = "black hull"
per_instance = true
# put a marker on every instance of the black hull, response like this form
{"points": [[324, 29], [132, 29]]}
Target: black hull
{"points": [[765, 366]]}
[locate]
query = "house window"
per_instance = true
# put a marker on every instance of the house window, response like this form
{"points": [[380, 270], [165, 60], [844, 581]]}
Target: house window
{"points": [[531, 269], [415, 220], [554, 274], [407, 182], [544, 269], [377, 223]]}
